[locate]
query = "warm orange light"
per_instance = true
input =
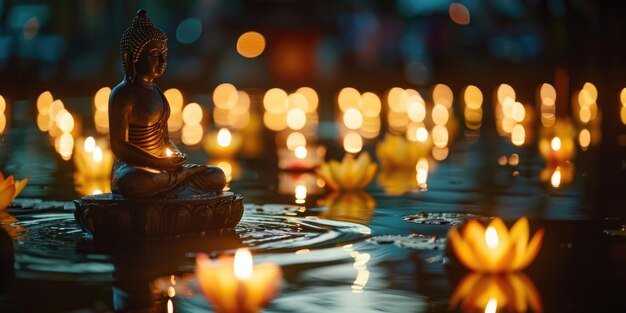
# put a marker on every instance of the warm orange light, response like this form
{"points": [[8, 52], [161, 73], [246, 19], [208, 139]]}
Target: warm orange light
{"points": [[442, 94], [43, 102], [416, 109], [495, 249], [440, 136], [192, 114], [251, 44], [296, 119], [555, 179], [224, 137], [422, 172], [175, 99], [505, 91], [396, 152], [237, 285], [65, 121], [352, 118], [421, 134], [224, 96], [295, 139], [518, 135], [275, 101], [311, 97], [348, 98], [350, 174], [192, 134], [97, 154], [440, 114], [101, 99], [352, 143], [275, 121], [300, 152], [370, 104], [584, 138], [473, 97], [243, 264], [492, 305], [555, 144]]}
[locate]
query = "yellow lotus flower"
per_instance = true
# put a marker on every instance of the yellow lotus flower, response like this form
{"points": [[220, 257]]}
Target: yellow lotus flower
{"points": [[351, 206], [10, 189], [494, 249], [237, 285], [397, 152], [350, 174], [488, 293], [8, 223]]}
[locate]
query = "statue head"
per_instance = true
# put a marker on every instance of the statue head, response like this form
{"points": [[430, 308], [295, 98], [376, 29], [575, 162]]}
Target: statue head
{"points": [[144, 49]]}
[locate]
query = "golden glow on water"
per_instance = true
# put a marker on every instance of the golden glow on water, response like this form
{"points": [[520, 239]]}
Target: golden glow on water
{"points": [[440, 136], [250, 44], [352, 118], [294, 140], [518, 135], [242, 264], [440, 114], [348, 98], [491, 237], [440, 154], [296, 119], [311, 96], [417, 109], [192, 114], [492, 306], [300, 193], [224, 96], [422, 172], [352, 142], [224, 137], [370, 104], [192, 134], [555, 179], [584, 138], [43, 102], [442, 94], [275, 101], [555, 144], [473, 97]]}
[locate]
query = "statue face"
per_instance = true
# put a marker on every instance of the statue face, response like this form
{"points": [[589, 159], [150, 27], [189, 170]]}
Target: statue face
{"points": [[152, 61]]}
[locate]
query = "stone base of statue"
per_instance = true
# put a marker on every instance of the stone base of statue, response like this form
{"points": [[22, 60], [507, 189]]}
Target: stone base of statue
{"points": [[111, 216]]}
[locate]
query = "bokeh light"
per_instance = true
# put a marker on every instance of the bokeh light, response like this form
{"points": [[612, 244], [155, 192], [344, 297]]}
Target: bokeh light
{"points": [[250, 44]]}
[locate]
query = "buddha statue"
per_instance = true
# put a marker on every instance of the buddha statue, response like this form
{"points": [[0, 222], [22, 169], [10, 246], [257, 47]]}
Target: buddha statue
{"points": [[147, 163]]}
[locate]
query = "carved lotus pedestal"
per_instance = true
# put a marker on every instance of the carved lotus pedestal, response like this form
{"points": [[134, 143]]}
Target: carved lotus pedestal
{"points": [[109, 216]]}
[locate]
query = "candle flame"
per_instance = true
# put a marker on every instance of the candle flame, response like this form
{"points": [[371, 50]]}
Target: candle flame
{"points": [[168, 152], [491, 237], [243, 264], [97, 154], [90, 144], [224, 138], [492, 306], [555, 144], [300, 152], [555, 180], [422, 172]]}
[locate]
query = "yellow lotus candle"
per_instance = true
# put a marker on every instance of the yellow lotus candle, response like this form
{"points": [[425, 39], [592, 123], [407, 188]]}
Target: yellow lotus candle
{"points": [[495, 249], [10, 189], [396, 152], [514, 292], [350, 174], [236, 284]]}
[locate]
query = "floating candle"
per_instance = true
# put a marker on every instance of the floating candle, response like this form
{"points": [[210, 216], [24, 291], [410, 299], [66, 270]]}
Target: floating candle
{"points": [[236, 284], [495, 249]]}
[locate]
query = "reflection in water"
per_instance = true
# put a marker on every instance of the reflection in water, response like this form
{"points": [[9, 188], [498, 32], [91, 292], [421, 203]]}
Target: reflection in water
{"points": [[514, 291], [7, 270], [351, 206]]}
